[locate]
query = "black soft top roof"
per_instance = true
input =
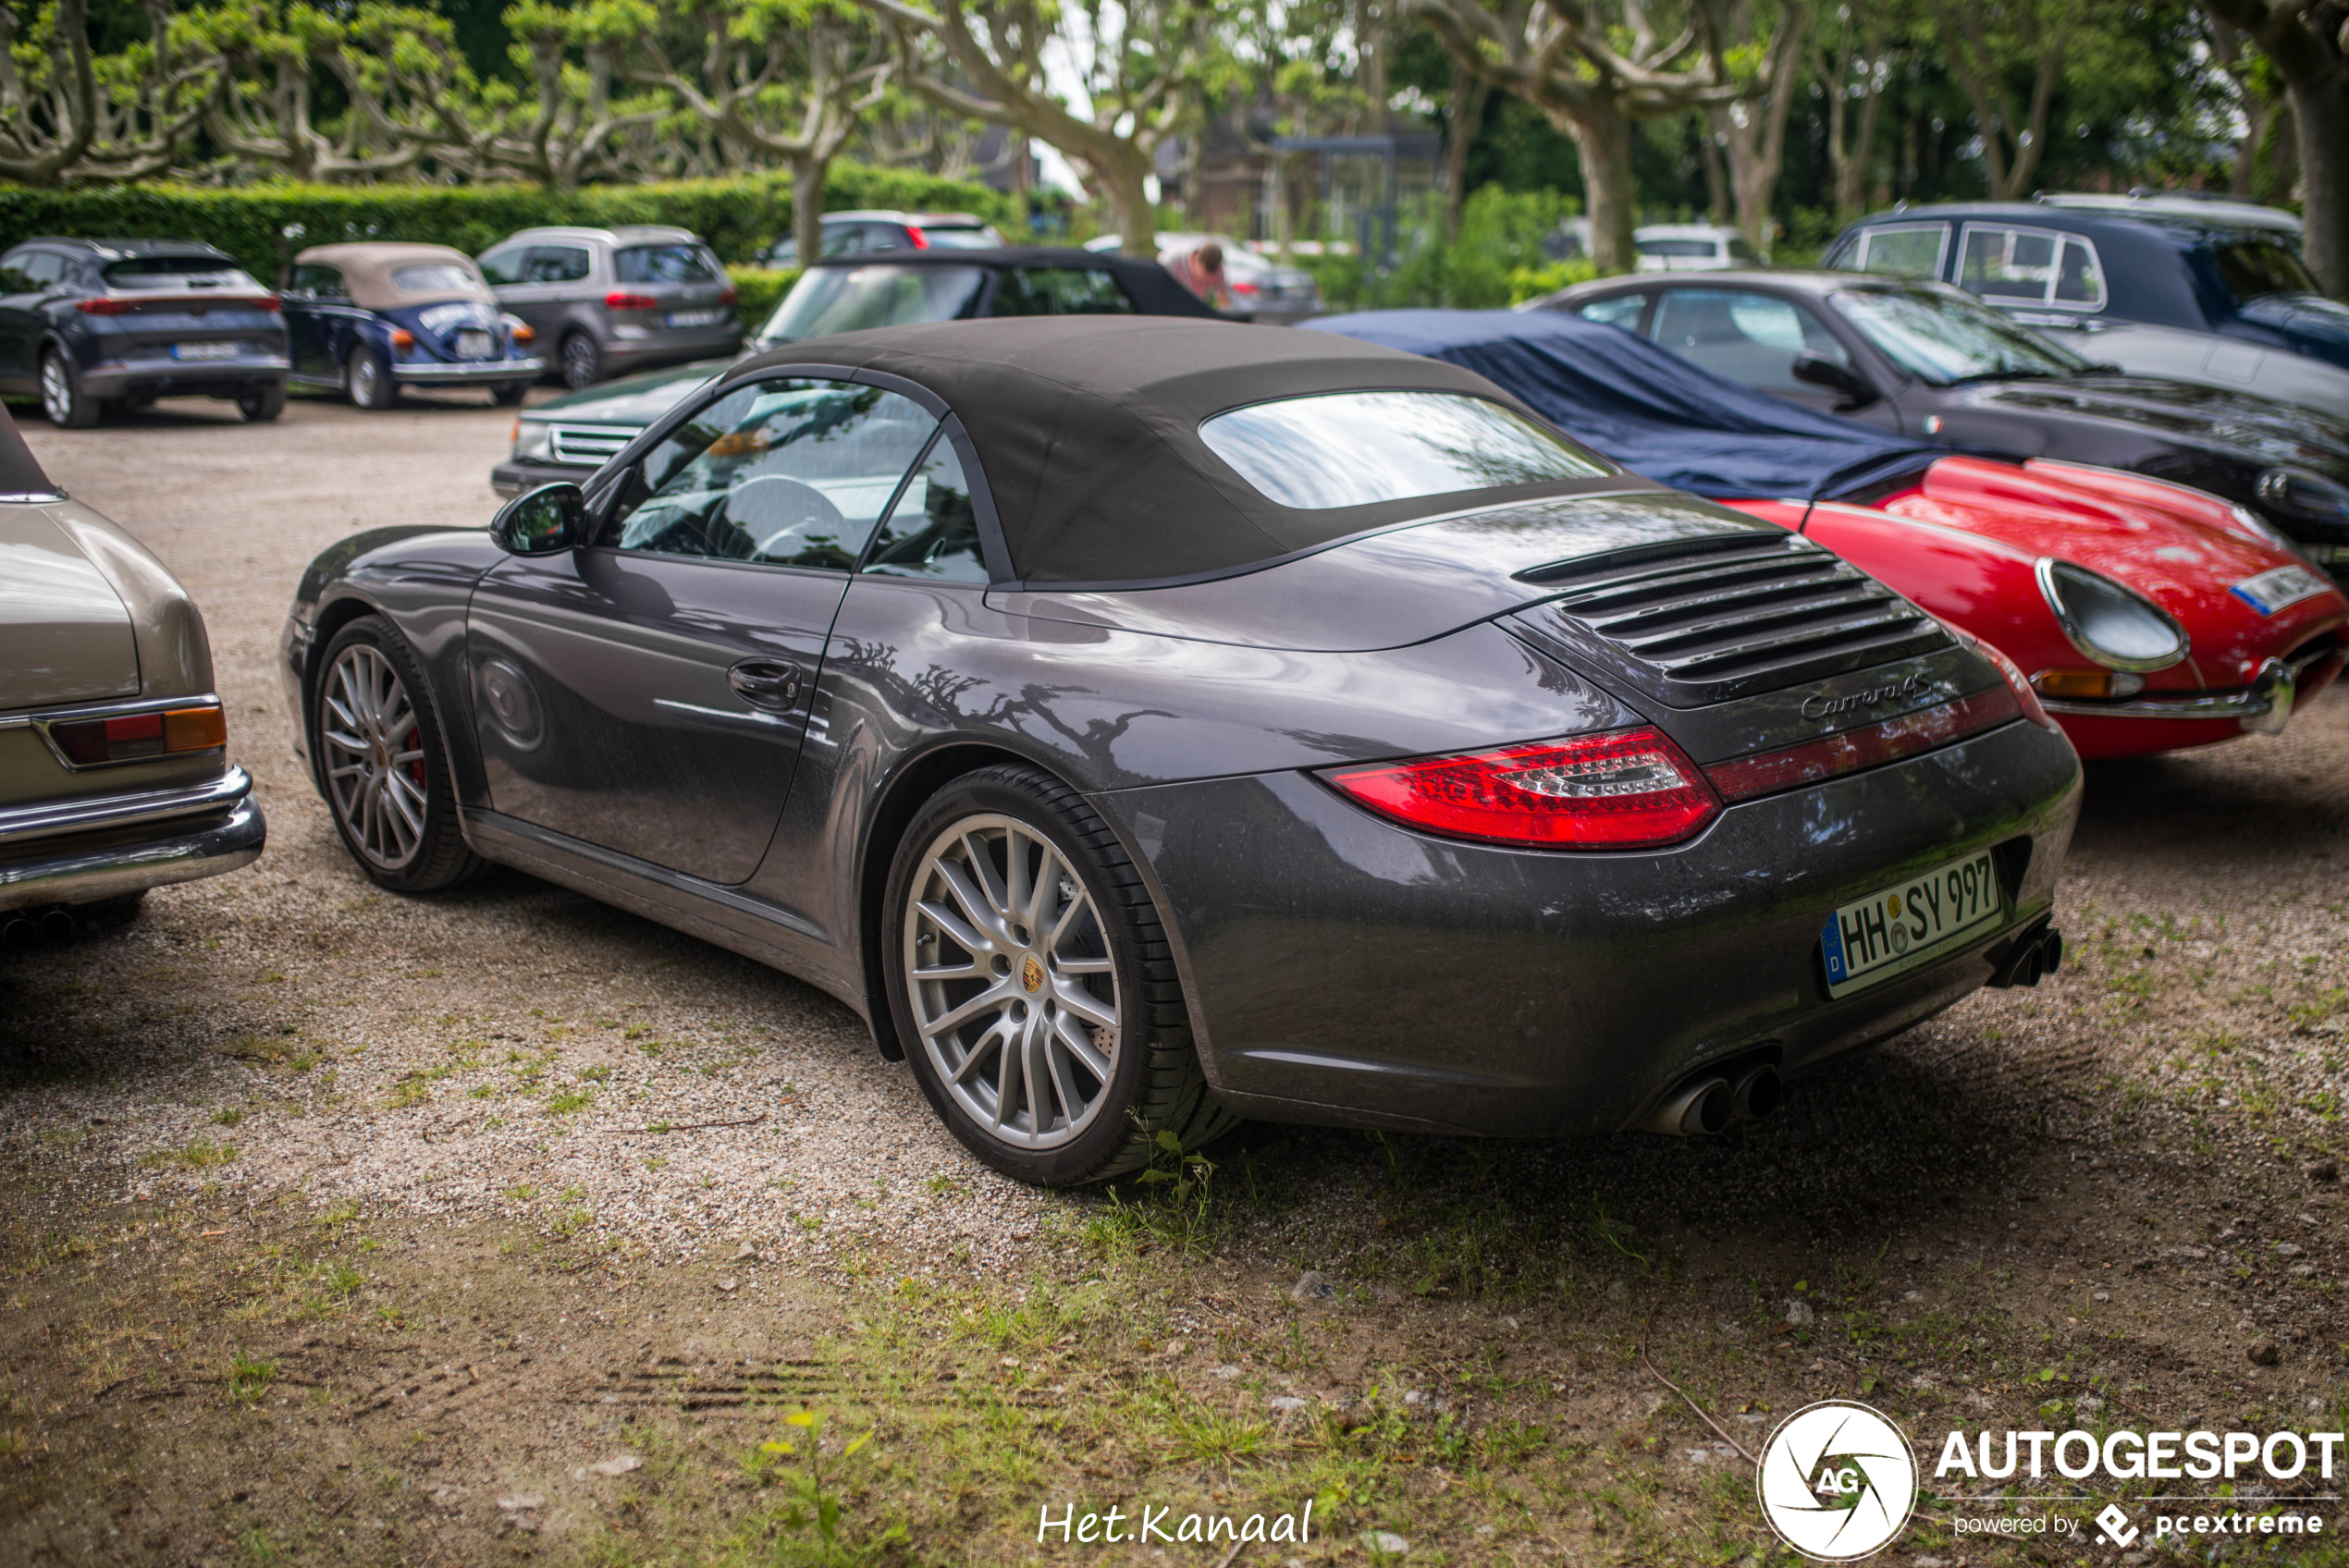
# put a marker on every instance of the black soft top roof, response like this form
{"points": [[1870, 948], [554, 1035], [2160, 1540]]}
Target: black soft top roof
{"points": [[20, 469], [1088, 428], [1153, 288]]}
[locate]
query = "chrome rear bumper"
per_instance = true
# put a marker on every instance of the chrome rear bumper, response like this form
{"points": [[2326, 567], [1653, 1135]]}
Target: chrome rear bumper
{"points": [[199, 831]]}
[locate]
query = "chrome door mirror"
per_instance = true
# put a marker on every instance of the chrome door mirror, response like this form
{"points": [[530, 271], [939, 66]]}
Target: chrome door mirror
{"points": [[551, 518]]}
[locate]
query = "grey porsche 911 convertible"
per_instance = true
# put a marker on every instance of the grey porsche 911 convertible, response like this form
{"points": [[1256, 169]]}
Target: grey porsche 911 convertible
{"points": [[1144, 724]]}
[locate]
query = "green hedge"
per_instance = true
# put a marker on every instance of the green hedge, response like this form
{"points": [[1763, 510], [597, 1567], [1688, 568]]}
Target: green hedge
{"points": [[759, 290], [739, 217]]}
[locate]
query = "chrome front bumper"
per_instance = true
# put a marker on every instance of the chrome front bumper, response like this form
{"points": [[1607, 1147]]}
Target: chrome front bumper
{"points": [[476, 372], [2263, 707], [201, 830]]}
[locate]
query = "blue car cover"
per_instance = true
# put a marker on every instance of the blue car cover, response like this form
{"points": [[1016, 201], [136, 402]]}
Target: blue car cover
{"points": [[1652, 411]]}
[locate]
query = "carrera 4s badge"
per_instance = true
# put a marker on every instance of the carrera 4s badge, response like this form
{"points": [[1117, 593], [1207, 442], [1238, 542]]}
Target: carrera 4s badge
{"points": [[1917, 685]]}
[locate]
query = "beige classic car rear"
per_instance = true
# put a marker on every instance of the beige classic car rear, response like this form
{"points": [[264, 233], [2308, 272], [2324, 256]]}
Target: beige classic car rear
{"points": [[114, 766]]}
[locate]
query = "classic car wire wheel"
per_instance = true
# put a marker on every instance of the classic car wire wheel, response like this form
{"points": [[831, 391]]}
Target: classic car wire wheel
{"points": [[375, 758], [1014, 991]]}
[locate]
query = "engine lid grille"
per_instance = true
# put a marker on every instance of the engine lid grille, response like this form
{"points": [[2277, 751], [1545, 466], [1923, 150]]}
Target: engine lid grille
{"points": [[1702, 621]]}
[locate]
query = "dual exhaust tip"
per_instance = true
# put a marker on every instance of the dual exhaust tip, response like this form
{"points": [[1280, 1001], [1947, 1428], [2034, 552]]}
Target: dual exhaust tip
{"points": [[29, 928], [1709, 1102], [2029, 959]]}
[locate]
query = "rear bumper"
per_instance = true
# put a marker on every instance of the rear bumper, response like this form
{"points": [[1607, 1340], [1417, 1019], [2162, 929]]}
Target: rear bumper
{"points": [[81, 852], [482, 372], [177, 378], [1343, 969], [512, 479]]}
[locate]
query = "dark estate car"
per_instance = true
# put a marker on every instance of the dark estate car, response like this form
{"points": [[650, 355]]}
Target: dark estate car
{"points": [[568, 437], [92, 323], [373, 318], [1931, 361], [607, 300], [2164, 290], [1142, 723]]}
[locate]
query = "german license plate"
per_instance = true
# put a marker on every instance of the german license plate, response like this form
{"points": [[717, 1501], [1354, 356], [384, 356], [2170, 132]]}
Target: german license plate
{"points": [[2272, 591], [475, 345], [203, 350], [1912, 922], [695, 318]]}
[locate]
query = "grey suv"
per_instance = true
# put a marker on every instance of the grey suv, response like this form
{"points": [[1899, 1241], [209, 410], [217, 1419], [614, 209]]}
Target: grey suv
{"points": [[604, 301]]}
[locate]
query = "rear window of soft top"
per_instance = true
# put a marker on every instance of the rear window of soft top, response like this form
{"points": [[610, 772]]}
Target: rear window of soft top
{"points": [[1355, 448]]}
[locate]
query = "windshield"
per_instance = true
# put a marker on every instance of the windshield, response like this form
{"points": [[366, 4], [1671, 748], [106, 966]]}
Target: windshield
{"points": [[1676, 248], [1352, 449], [2254, 268], [1941, 338], [176, 272], [435, 277], [827, 300]]}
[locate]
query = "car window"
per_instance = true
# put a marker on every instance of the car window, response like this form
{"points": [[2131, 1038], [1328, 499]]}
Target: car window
{"points": [[841, 240], [962, 238], [1061, 291], [434, 278], [2256, 267], [1747, 336], [786, 472], [1619, 310], [554, 263], [504, 265], [664, 263], [883, 294], [2030, 266], [1909, 249], [1940, 337], [319, 281], [171, 272], [12, 278], [1686, 249], [932, 531], [1352, 449], [43, 268]]}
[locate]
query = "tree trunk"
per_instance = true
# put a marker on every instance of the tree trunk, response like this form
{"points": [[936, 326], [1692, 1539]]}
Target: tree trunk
{"points": [[807, 204], [1123, 171], [1467, 119], [2321, 114], [1709, 123], [1604, 141]]}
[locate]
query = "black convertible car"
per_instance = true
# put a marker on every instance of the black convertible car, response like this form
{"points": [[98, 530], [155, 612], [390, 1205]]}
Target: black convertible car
{"points": [[1926, 359], [1144, 723]]}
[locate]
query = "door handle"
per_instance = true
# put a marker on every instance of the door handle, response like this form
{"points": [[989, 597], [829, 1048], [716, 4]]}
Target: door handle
{"points": [[766, 684]]}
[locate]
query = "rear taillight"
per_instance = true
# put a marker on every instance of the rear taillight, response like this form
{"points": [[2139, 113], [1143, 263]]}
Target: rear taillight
{"points": [[727, 296], [916, 239], [619, 300], [522, 334], [267, 303], [402, 340], [1631, 789], [88, 742], [1830, 756], [105, 307]]}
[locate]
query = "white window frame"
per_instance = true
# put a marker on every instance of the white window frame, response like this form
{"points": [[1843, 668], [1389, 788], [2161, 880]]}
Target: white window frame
{"points": [[2055, 273], [1867, 237]]}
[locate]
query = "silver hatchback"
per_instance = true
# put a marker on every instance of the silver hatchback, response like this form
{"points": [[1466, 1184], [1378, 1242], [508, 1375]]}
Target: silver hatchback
{"points": [[608, 301]]}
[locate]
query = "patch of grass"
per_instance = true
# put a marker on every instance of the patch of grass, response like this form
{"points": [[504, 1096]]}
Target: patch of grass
{"points": [[226, 1118], [248, 1379], [409, 1091], [566, 1101], [201, 1154]]}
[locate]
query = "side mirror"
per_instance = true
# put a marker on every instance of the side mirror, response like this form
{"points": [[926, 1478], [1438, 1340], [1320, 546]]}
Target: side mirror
{"points": [[549, 519], [1820, 371]]}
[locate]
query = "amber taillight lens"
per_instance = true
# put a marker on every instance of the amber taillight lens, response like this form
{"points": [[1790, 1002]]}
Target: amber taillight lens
{"points": [[88, 742]]}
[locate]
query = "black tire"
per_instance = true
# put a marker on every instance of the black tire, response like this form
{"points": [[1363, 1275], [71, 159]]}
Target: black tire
{"points": [[419, 857], [582, 361], [510, 393], [366, 379], [63, 398], [1154, 1083], [261, 404]]}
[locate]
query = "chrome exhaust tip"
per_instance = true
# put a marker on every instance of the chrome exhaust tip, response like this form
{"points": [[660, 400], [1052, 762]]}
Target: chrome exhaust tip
{"points": [[1700, 1106], [1757, 1094]]}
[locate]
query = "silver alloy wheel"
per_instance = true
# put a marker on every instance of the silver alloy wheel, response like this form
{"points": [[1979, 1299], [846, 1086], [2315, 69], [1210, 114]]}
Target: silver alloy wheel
{"points": [[56, 388], [1013, 988], [374, 758], [366, 378], [579, 361]]}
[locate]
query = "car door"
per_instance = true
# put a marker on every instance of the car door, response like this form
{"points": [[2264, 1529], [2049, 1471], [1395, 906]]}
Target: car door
{"points": [[28, 277], [311, 296], [550, 277], [1747, 336], [650, 694]]}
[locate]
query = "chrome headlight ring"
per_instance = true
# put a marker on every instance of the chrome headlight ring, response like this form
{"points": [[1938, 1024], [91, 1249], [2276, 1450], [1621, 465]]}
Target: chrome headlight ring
{"points": [[2084, 602]]}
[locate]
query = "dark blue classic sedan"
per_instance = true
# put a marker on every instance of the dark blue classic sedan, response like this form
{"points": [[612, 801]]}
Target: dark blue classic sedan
{"points": [[2160, 289], [375, 319]]}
